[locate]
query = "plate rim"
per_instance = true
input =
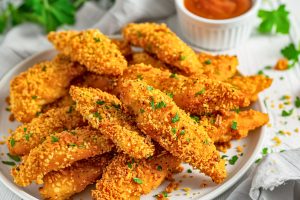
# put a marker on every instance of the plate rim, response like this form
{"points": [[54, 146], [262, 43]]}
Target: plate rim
{"points": [[213, 194]]}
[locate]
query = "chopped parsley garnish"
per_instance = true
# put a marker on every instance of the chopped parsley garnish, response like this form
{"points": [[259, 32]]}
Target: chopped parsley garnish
{"points": [[159, 168], [152, 104], [207, 62], [97, 115], [34, 97], [150, 88], [8, 109], [37, 114], [142, 110], [97, 39], [13, 157], [224, 156], [233, 160], [188, 140], [258, 160], [160, 104], [139, 34], [44, 68], [12, 142], [140, 77], [72, 145], [297, 102], [9, 163], [200, 92], [237, 110], [264, 151], [205, 141], [70, 110], [291, 53], [174, 130], [27, 136], [173, 75], [54, 139], [195, 118], [182, 57], [281, 78], [189, 171], [116, 106], [99, 102], [137, 180], [234, 125], [285, 113], [260, 72], [176, 118], [182, 132], [129, 164], [277, 20], [73, 132], [268, 67], [165, 194], [25, 129], [171, 95]]}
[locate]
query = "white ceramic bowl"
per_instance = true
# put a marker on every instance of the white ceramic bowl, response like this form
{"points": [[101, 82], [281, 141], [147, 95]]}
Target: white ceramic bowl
{"points": [[216, 34]]}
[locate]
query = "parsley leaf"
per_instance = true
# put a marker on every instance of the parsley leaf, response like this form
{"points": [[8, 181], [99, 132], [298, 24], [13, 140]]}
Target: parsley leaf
{"points": [[234, 125], [160, 104], [12, 142], [159, 168], [175, 118], [285, 113], [297, 102], [233, 160], [9, 163], [195, 118], [54, 139], [274, 20], [137, 180], [264, 151], [291, 53], [99, 102], [200, 92], [13, 157], [189, 171]]}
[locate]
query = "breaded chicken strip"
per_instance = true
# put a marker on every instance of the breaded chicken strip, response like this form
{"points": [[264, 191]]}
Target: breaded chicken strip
{"points": [[219, 67], [197, 96], [159, 117], [158, 39], [145, 58], [30, 135], [92, 49], [123, 46], [251, 85], [40, 85], [62, 184], [104, 112], [58, 151], [65, 101], [230, 125], [128, 179]]}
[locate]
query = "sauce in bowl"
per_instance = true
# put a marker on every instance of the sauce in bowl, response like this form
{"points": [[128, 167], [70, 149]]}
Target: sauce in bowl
{"points": [[218, 9]]}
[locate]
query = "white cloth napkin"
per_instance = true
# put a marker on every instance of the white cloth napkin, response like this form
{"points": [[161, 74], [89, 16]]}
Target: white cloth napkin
{"points": [[275, 178]]}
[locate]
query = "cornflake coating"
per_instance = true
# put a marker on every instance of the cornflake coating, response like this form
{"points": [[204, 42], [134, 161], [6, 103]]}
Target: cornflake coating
{"points": [[58, 151], [251, 85], [219, 67], [145, 58], [104, 112], [126, 178], [92, 49], [229, 125], [123, 46], [65, 101], [158, 39], [160, 118], [66, 182], [197, 96], [40, 85], [30, 135]]}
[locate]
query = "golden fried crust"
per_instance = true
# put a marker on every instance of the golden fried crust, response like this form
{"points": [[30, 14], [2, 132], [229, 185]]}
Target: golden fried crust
{"points": [[62, 184], [222, 128], [58, 151], [197, 96], [219, 67], [159, 117], [145, 58], [104, 112], [161, 41], [251, 85], [40, 85], [65, 101], [28, 136], [92, 49], [126, 178], [123, 46]]}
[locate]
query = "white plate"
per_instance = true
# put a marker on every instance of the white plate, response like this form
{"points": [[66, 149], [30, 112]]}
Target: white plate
{"points": [[189, 180]]}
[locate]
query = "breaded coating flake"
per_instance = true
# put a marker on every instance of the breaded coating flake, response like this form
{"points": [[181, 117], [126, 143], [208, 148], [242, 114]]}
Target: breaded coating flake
{"points": [[40, 85], [197, 96], [104, 112], [158, 39], [160, 118], [123, 46], [62, 184], [127, 178], [58, 151], [92, 49], [30, 135]]}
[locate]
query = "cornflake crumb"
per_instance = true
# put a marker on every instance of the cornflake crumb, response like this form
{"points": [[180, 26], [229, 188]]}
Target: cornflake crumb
{"points": [[11, 118], [276, 140], [282, 64], [239, 149], [172, 186], [203, 185], [2, 142], [178, 169]]}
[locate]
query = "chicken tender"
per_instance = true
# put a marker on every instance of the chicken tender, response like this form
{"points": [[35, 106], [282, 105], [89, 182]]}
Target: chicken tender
{"points": [[30, 135], [230, 125], [145, 58], [92, 49], [40, 85], [65, 101], [104, 112], [158, 39], [251, 85], [62, 184], [159, 117], [123, 46], [219, 67], [126, 178], [197, 96], [58, 151]]}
